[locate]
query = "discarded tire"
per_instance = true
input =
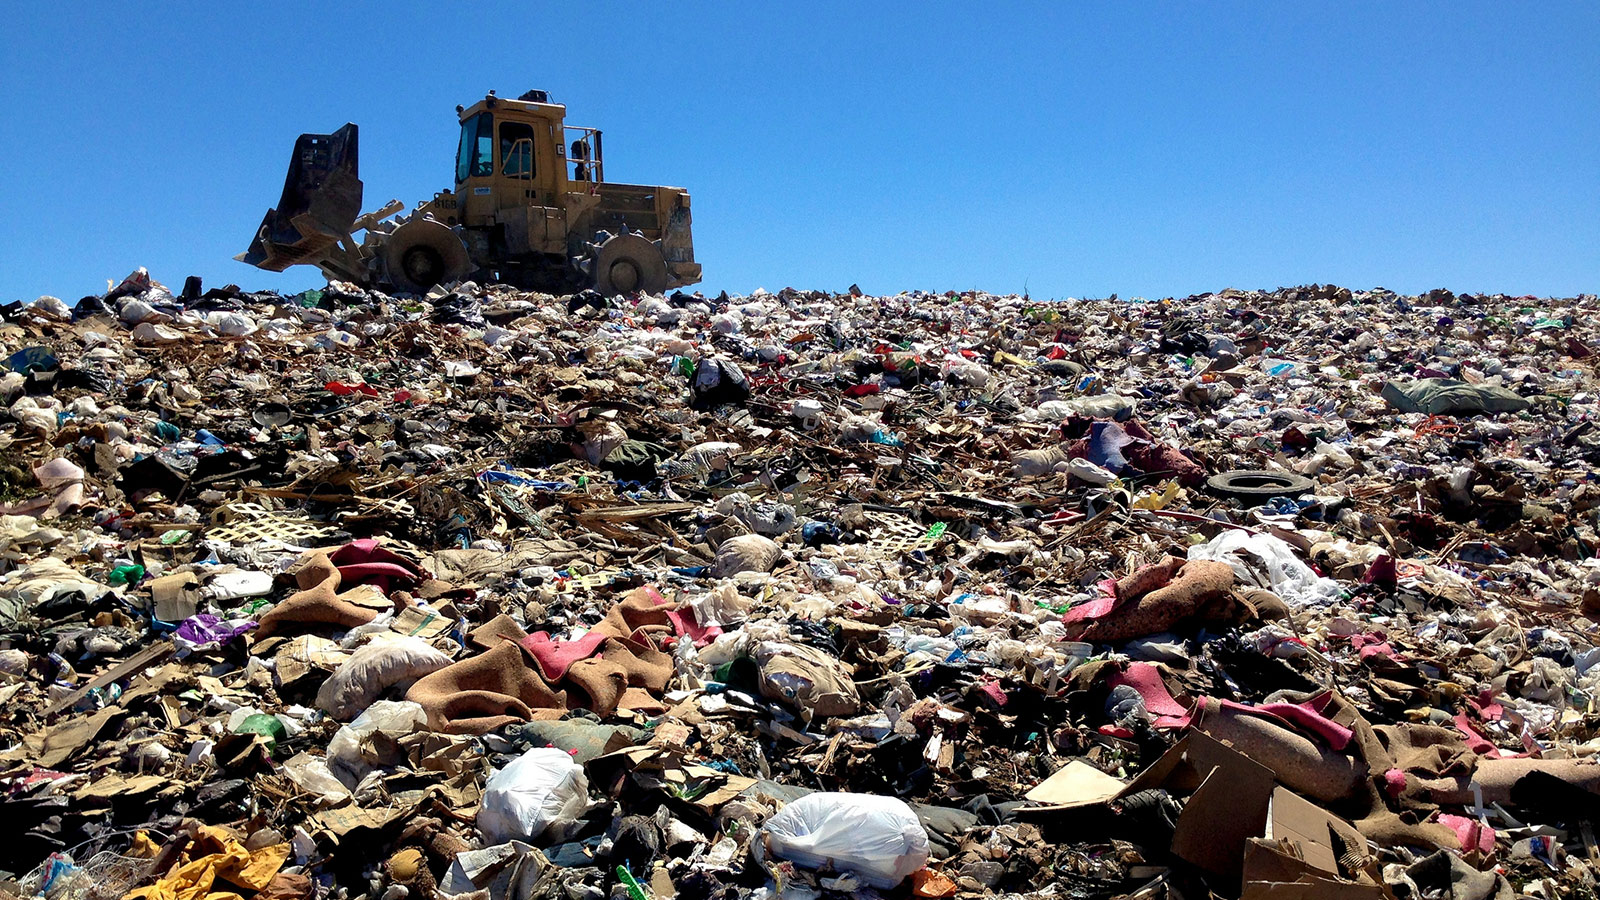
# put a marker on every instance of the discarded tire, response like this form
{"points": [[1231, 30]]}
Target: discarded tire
{"points": [[1258, 484]]}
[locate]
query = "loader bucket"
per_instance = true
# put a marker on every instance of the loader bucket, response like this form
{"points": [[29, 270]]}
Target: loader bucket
{"points": [[321, 200]]}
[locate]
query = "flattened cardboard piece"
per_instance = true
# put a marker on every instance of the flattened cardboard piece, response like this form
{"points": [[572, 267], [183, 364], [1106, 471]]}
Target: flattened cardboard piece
{"points": [[1228, 808], [144, 658], [1076, 784], [1165, 771], [175, 597], [1273, 872], [1295, 820], [425, 624]]}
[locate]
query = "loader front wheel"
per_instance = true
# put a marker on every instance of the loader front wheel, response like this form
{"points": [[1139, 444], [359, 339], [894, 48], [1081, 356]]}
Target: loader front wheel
{"points": [[422, 265], [422, 253]]}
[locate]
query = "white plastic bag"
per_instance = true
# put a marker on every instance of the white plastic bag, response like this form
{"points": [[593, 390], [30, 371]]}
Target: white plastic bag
{"points": [[372, 670], [310, 773], [537, 790], [1084, 470], [877, 838]]}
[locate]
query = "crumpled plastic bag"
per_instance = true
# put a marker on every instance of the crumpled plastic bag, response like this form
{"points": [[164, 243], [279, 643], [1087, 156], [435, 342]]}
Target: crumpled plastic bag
{"points": [[747, 553], [541, 789], [879, 839], [373, 669], [58, 472], [151, 333], [352, 754], [1285, 574], [718, 381], [311, 773], [807, 678], [1447, 397]]}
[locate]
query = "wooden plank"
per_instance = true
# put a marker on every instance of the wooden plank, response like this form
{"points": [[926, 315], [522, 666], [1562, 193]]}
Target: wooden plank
{"points": [[144, 658], [642, 511]]}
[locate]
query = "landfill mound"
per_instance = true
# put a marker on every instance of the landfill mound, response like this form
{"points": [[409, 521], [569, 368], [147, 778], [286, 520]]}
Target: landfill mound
{"points": [[504, 596]]}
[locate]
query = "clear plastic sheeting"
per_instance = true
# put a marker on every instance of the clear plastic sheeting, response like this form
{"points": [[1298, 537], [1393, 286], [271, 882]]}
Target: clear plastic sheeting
{"points": [[1268, 562]]}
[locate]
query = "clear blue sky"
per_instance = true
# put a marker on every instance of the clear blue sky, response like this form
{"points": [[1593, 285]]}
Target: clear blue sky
{"points": [[1078, 149]]}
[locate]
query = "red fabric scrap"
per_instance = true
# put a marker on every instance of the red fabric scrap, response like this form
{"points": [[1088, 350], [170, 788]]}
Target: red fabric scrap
{"points": [[1096, 608], [340, 389], [1306, 718], [995, 692], [555, 657], [1146, 679], [684, 623], [364, 562]]}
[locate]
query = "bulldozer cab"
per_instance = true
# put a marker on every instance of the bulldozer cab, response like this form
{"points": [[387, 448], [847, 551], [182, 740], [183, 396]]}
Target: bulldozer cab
{"points": [[514, 154]]}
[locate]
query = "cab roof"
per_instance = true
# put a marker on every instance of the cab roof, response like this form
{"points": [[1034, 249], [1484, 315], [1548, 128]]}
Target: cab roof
{"points": [[555, 111]]}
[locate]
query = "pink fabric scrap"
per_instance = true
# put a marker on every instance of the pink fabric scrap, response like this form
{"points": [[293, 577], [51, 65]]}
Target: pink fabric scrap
{"points": [[1394, 782], [995, 693], [1479, 744], [685, 624], [1370, 645], [1306, 718], [1474, 835], [1487, 709], [364, 562], [1098, 607]]}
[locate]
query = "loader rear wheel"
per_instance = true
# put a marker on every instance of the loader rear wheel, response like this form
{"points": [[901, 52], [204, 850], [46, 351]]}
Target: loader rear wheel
{"points": [[422, 253], [626, 264]]}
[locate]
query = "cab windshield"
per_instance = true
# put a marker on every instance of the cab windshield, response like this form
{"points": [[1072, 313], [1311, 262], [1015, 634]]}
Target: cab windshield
{"points": [[475, 157]]}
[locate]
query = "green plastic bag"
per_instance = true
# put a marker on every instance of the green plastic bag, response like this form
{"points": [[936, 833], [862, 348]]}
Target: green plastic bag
{"points": [[267, 726], [126, 575]]}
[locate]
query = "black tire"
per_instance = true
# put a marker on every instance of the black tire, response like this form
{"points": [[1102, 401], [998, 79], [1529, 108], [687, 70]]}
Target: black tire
{"points": [[1259, 484]]}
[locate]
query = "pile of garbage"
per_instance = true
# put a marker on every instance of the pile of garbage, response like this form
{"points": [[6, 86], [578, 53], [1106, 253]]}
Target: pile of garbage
{"points": [[503, 596]]}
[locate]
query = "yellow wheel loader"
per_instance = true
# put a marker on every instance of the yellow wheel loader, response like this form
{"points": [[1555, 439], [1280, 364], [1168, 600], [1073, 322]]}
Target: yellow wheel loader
{"points": [[530, 207]]}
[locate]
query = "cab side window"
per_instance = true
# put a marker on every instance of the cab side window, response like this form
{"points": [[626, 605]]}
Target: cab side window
{"points": [[516, 149]]}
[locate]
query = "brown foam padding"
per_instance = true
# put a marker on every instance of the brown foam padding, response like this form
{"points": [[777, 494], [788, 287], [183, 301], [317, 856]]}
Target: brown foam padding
{"points": [[1269, 607], [638, 612], [641, 662], [483, 693], [601, 681], [1194, 589], [1300, 764], [317, 603], [1147, 578], [1427, 750], [497, 631], [1496, 777], [1389, 829], [502, 685], [640, 700], [313, 569], [622, 666]]}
